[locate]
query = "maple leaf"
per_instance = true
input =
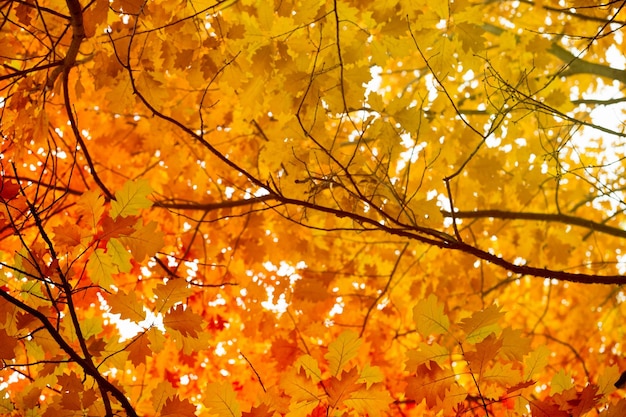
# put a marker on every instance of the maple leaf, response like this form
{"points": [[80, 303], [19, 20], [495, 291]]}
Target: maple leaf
{"points": [[183, 320], [560, 382], [221, 400], [429, 317], [8, 190], [145, 241], [615, 410], [453, 399], [341, 350], [127, 306], [131, 199], [91, 205], [7, 345], [175, 407], [429, 384], [161, 393], [500, 377], [300, 388], [121, 226], [120, 257], [139, 349], [101, 268], [481, 324], [372, 401], [370, 375], [514, 346], [609, 380], [424, 354], [68, 235], [546, 409], [536, 361], [262, 410], [310, 367], [339, 388], [585, 401], [296, 148], [170, 293], [485, 352]]}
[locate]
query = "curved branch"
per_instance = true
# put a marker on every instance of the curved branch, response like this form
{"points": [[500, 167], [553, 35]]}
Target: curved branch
{"points": [[78, 34], [542, 217]]}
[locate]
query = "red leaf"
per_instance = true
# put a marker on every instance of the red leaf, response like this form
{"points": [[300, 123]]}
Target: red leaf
{"points": [[8, 190]]}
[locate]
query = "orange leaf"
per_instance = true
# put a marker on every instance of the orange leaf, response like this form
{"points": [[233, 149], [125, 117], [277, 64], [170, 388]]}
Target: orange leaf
{"points": [[7, 345], [339, 388], [262, 410], [120, 226], [139, 349], [175, 407], [183, 320], [429, 384], [127, 306]]}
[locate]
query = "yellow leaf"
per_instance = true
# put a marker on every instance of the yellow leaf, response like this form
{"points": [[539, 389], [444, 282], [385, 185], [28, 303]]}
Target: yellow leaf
{"points": [[371, 402], [424, 354], [561, 381], [429, 317], [101, 268], [607, 380], [370, 375], [310, 367], [342, 350], [221, 400], [481, 324], [514, 346], [536, 361], [131, 199], [119, 255]]}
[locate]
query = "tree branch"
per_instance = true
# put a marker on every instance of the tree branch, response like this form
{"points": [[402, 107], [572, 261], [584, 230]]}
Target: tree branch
{"points": [[542, 217]]}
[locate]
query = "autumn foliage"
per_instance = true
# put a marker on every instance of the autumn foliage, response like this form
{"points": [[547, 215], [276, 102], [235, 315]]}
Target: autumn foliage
{"points": [[312, 208]]}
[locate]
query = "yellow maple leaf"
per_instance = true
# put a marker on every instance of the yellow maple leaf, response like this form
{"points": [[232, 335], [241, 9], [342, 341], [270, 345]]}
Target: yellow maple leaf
{"points": [[536, 361], [341, 350], [131, 199], [481, 324], [372, 401], [429, 317], [221, 400], [101, 268]]}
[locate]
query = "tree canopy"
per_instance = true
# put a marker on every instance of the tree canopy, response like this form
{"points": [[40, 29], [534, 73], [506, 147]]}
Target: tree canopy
{"points": [[312, 208]]}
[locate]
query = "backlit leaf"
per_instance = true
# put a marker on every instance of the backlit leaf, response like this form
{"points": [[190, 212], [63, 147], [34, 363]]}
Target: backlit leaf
{"points": [[183, 320], [127, 305], [221, 400], [341, 350], [131, 199], [429, 317]]}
